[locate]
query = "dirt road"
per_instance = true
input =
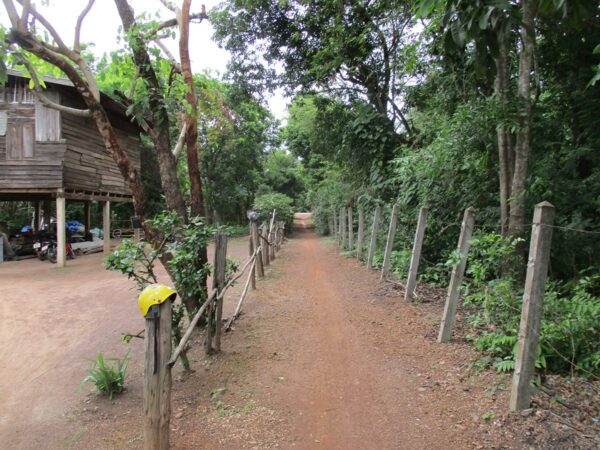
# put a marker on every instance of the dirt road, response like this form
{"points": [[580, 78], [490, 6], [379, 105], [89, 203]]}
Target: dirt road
{"points": [[324, 356], [53, 322]]}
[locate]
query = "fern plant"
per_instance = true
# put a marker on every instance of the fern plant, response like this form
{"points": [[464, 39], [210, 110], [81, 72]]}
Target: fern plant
{"points": [[108, 379]]}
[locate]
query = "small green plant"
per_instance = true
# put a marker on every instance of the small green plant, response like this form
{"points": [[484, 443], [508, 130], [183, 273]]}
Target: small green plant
{"points": [[108, 379], [487, 416]]}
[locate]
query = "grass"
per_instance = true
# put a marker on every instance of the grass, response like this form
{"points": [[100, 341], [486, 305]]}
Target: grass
{"points": [[108, 379]]}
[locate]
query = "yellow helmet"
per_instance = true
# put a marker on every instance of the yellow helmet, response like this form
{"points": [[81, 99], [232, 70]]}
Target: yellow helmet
{"points": [[154, 294]]}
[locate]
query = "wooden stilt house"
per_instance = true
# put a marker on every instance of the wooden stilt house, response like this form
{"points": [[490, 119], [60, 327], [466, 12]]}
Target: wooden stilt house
{"points": [[48, 155]]}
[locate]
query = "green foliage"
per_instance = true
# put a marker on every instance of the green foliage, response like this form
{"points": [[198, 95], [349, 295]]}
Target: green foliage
{"points": [[570, 328], [184, 242], [108, 378], [266, 203], [135, 260]]}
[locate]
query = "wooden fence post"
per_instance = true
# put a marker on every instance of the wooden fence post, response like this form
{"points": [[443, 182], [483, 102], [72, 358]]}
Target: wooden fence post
{"points": [[330, 226], [343, 222], [411, 282], [157, 379], [374, 231], [533, 301], [256, 243], [265, 243], [335, 225], [219, 284], [350, 230], [361, 233], [390, 242], [251, 252], [272, 235], [466, 230]]}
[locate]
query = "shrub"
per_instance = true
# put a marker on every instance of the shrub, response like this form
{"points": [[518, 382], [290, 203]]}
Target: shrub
{"points": [[570, 329], [266, 203], [108, 378]]}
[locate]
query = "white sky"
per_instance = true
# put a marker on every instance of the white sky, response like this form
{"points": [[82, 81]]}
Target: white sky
{"points": [[102, 23]]}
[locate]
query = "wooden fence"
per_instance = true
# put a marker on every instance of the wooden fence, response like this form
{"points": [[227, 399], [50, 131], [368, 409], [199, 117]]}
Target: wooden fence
{"points": [[158, 358], [533, 296]]}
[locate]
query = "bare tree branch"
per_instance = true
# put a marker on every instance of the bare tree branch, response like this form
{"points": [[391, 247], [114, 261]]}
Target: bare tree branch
{"points": [[169, 5], [180, 140], [168, 54], [12, 13], [86, 10], [25, 15]]}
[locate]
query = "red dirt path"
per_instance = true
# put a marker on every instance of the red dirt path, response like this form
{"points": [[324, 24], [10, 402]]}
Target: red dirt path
{"points": [[324, 356]]}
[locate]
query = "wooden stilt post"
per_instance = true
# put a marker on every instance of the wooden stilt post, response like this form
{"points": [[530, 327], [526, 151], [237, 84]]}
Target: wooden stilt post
{"points": [[361, 234], [390, 242], [36, 216], [61, 232], [533, 302], [157, 379], [87, 217], [106, 226], [46, 213], [411, 282], [374, 231], [466, 230], [350, 230], [255, 244], [219, 283]]}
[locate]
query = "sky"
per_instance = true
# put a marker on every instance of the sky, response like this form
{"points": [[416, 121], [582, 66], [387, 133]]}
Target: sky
{"points": [[101, 26]]}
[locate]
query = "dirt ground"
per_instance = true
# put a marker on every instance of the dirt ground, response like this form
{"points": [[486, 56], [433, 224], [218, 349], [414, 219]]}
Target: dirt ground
{"points": [[53, 322], [324, 356]]}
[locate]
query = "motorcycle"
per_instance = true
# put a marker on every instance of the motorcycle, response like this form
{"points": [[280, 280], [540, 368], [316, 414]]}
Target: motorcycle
{"points": [[40, 247], [52, 251]]}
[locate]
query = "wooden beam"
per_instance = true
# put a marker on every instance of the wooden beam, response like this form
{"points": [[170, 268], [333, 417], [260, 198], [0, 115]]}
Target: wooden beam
{"points": [[87, 216], [61, 234], [106, 227]]}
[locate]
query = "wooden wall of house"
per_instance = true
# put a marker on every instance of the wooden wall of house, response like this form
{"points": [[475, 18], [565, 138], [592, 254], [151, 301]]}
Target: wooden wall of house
{"points": [[41, 148], [88, 166], [26, 163]]}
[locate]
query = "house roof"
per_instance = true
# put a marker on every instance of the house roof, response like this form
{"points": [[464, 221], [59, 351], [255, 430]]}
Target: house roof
{"points": [[107, 102]]}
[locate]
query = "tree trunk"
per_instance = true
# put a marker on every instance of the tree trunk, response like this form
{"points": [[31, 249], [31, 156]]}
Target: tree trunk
{"points": [[501, 87], [517, 218], [191, 138], [160, 117]]}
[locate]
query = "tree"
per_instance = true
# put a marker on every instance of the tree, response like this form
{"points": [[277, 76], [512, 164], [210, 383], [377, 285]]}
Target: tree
{"points": [[148, 96], [354, 49]]}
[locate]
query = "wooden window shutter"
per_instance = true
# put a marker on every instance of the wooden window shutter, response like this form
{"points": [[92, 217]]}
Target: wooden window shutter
{"points": [[28, 140], [47, 120], [14, 141]]}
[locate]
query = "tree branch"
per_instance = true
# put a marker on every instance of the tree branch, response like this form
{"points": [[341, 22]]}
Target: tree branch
{"points": [[86, 10], [180, 140], [39, 93], [168, 54]]}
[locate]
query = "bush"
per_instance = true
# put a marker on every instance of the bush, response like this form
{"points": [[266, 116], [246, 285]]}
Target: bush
{"points": [[108, 379], [266, 203], [570, 329]]}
